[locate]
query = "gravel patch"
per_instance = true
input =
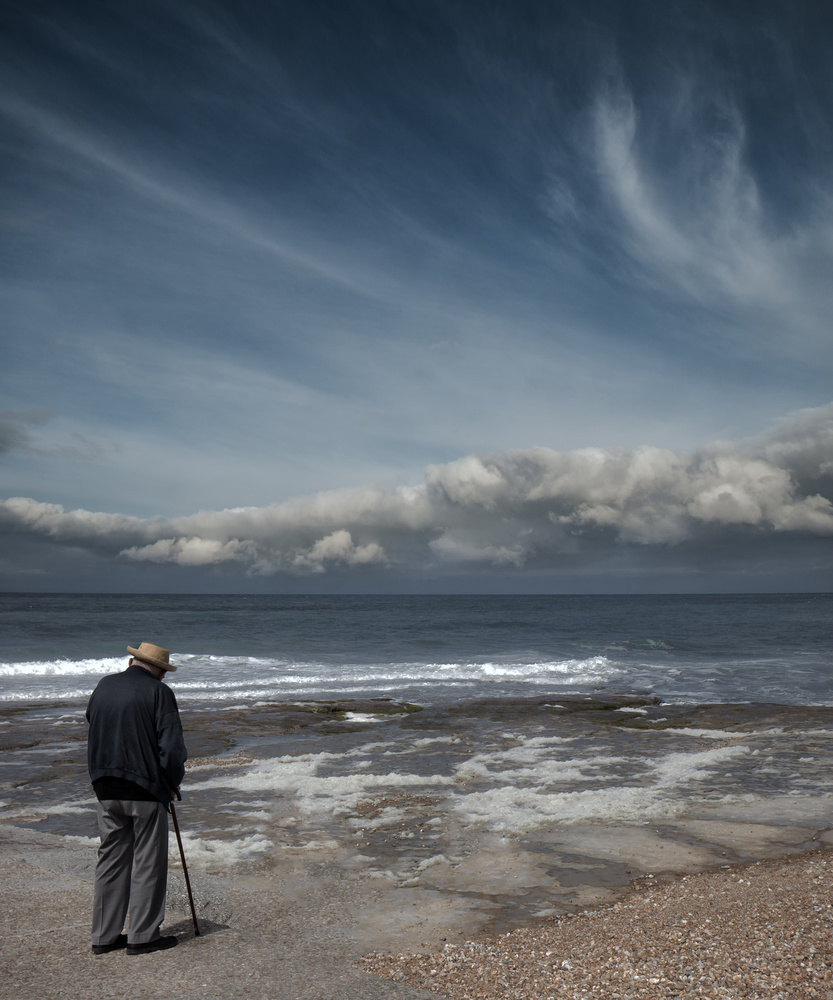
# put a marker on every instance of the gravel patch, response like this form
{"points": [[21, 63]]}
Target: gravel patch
{"points": [[760, 932]]}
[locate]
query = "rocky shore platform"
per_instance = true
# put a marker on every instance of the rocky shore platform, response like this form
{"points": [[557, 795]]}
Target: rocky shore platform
{"points": [[385, 864]]}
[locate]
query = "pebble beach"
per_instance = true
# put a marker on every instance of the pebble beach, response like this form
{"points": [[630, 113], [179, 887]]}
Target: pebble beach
{"points": [[762, 932]]}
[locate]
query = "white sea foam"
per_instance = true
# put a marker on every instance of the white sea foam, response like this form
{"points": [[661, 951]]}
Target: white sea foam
{"points": [[209, 677], [315, 793], [63, 668], [510, 809], [81, 808], [527, 786], [728, 734], [541, 773], [312, 845], [231, 679], [204, 852], [436, 859], [83, 841], [538, 783]]}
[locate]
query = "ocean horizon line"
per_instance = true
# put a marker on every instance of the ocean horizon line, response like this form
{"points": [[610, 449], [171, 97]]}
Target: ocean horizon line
{"points": [[417, 593]]}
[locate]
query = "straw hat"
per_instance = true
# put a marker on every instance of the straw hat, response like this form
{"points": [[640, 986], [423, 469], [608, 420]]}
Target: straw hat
{"points": [[156, 656]]}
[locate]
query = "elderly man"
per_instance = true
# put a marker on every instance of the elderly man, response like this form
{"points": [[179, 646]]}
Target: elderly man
{"points": [[136, 757]]}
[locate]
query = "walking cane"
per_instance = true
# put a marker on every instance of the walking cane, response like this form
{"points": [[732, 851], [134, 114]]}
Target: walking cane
{"points": [[185, 867]]}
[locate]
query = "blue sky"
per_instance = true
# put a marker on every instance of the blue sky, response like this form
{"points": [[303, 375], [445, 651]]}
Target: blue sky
{"points": [[430, 296]]}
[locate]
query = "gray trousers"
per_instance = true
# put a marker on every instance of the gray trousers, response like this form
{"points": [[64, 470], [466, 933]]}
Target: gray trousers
{"points": [[132, 870]]}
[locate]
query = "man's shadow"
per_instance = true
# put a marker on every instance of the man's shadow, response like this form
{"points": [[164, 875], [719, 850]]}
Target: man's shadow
{"points": [[184, 929]]}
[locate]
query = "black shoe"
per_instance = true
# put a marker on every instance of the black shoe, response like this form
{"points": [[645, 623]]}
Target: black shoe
{"points": [[158, 944], [102, 949]]}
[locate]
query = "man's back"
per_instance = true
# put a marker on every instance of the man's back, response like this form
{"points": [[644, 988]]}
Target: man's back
{"points": [[135, 732]]}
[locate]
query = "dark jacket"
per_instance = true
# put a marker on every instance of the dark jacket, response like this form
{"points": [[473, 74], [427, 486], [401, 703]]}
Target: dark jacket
{"points": [[136, 733]]}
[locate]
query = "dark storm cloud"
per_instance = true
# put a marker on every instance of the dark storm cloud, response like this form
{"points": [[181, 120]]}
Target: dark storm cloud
{"points": [[531, 509]]}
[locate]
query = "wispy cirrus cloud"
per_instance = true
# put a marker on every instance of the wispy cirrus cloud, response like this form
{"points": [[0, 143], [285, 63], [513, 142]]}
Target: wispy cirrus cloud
{"points": [[672, 201], [20, 432], [16, 429], [704, 233]]}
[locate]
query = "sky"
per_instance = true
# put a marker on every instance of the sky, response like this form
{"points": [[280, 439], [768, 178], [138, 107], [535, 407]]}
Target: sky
{"points": [[458, 296]]}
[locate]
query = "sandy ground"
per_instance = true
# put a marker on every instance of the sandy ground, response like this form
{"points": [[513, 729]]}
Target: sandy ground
{"points": [[263, 936]]}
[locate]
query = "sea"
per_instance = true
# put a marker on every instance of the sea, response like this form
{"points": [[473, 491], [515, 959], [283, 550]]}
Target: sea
{"points": [[432, 649], [597, 737]]}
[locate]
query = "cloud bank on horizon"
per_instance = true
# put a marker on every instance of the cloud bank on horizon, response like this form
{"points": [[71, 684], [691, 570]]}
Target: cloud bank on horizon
{"points": [[535, 508], [528, 256]]}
